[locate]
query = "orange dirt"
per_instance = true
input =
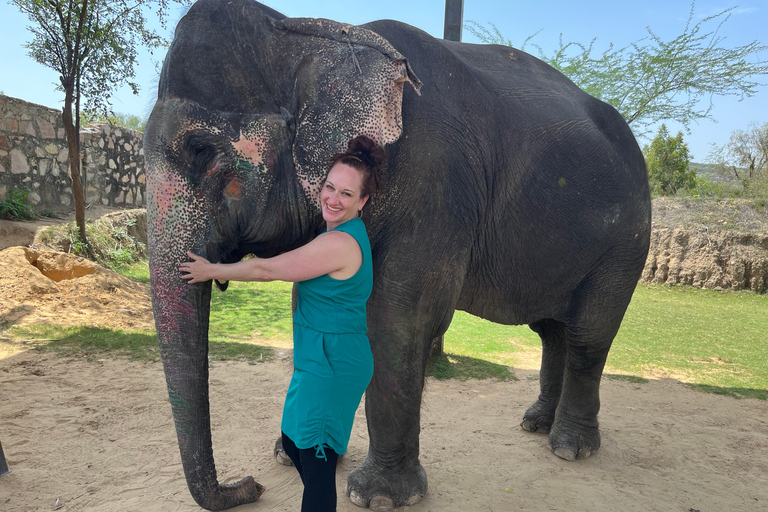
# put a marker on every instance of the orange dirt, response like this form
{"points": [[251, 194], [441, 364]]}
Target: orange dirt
{"points": [[63, 289]]}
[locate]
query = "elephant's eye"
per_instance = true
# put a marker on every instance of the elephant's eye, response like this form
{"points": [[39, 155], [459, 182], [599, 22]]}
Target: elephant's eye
{"points": [[199, 152]]}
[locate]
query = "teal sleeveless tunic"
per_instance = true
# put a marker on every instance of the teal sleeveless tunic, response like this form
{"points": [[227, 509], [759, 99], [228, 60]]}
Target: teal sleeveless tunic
{"points": [[331, 355]]}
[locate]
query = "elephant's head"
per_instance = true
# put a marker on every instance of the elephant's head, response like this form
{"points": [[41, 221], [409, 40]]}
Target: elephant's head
{"points": [[250, 106]]}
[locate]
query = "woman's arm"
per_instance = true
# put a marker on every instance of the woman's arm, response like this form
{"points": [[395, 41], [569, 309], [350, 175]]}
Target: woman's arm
{"points": [[330, 252]]}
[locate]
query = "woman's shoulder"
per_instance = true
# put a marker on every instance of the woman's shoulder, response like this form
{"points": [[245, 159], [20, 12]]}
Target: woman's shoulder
{"points": [[353, 227]]}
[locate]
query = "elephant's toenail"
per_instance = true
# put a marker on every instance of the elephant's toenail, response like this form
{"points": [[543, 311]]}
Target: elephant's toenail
{"points": [[381, 504], [414, 500], [565, 453], [355, 498]]}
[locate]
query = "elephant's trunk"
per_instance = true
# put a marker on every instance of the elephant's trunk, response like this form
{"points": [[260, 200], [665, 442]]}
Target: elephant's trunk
{"points": [[181, 318]]}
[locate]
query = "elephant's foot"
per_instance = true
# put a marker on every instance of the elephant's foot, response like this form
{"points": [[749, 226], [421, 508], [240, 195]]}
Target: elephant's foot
{"points": [[539, 418], [574, 441], [280, 456], [378, 488], [246, 490]]}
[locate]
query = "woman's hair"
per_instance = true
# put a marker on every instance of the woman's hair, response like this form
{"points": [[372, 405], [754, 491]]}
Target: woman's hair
{"points": [[367, 157]]}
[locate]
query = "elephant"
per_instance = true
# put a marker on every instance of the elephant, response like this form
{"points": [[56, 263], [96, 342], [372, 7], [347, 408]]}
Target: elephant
{"points": [[510, 194]]}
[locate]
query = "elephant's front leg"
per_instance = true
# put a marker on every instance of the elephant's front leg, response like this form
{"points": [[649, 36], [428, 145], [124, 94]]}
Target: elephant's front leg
{"points": [[391, 475]]}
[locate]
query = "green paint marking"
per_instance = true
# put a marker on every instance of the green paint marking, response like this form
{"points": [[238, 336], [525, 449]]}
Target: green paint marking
{"points": [[176, 400], [244, 166], [561, 182], [181, 429]]}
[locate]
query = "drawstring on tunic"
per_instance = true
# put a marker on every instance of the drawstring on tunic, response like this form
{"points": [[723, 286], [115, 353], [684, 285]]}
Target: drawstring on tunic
{"points": [[320, 452]]}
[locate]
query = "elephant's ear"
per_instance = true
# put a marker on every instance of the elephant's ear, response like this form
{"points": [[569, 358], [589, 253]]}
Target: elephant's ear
{"points": [[349, 83]]}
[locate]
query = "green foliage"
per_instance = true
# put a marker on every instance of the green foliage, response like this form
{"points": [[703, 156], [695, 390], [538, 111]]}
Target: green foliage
{"points": [[451, 366], [653, 80], [109, 242], [16, 206], [668, 163], [96, 342], [130, 121], [138, 271], [704, 187], [701, 337], [713, 341], [252, 311], [93, 45]]}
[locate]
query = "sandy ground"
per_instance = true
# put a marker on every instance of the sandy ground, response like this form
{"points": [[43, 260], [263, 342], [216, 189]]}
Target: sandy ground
{"points": [[98, 436]]}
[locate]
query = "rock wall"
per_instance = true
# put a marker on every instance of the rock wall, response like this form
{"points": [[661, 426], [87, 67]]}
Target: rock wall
{"points": [[708, 259], [34, 156]]}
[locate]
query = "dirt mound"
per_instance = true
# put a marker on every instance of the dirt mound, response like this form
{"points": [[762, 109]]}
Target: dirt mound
{"points": [[709, 244], [63, 289], [708, 259]]}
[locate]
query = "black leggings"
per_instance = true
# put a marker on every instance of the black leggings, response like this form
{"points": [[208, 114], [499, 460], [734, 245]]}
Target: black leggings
{"points": [[318, 476]]}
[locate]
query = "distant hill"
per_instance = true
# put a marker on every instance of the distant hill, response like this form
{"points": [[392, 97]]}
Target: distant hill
{"points": [[707, 170], [711, 172]]}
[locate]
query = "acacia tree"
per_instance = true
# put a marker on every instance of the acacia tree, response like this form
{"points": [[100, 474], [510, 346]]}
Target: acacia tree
{"points": [[93, 45], [745, 158], [653, 80], [669, 165]]}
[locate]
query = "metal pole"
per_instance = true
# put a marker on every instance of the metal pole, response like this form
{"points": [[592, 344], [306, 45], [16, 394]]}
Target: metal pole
{"points": [[454, 19]]}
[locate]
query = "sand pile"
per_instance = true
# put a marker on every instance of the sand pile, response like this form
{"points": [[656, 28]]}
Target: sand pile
{"points": [[63, 289]]}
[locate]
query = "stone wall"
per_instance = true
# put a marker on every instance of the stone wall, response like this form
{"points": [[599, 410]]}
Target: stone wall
{"points": [[34, 157]]}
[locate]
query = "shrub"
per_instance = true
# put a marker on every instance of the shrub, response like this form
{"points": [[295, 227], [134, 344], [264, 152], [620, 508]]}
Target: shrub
{"points": [[16, 206], [110, 243], [713, 189], [668, 161]]}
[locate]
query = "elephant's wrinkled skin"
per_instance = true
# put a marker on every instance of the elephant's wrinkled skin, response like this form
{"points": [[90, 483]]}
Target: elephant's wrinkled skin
{"points": [[510, 194]]}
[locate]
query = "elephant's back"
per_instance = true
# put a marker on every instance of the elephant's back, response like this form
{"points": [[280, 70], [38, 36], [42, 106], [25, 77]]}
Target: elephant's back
{"points": [[508, 75]]}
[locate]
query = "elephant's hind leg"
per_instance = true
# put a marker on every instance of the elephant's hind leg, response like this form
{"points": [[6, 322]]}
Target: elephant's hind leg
{"points": [[598, 308], [541, 415]]}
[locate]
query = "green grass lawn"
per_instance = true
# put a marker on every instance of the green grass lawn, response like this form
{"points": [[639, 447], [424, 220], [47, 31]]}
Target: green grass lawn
{"points": [[716, 341]]}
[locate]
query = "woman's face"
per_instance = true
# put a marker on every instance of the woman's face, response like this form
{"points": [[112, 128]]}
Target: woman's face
{"points": [[340, 197]]}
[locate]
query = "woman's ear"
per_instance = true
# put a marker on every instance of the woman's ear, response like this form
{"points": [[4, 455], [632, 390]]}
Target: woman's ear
{"points": [[363, 201]]}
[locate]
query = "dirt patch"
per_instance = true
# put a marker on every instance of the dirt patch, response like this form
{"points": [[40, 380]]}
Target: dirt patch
{"points": [[63, 289], [98, 436]]}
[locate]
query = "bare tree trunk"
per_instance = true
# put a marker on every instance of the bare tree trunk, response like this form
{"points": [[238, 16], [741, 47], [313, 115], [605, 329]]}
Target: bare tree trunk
{"points": [[73, 145]]}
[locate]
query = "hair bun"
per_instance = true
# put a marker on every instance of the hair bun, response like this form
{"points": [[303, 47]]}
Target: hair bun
{"points": [[365, 155], [367, 150]]}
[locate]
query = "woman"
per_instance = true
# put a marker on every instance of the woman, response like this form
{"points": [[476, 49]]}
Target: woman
{"points": [[332, 357]]}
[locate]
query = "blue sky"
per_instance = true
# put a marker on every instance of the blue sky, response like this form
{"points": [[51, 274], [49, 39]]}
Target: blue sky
{"points": [[611, 21]]}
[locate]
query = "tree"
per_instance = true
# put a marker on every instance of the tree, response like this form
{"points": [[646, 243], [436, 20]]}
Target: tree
{"points": [[92, 44], [653, 80], [669, 166], [745, 158]]}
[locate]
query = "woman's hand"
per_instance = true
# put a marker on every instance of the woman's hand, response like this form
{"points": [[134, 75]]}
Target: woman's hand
{"points": [[199, 270]]}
